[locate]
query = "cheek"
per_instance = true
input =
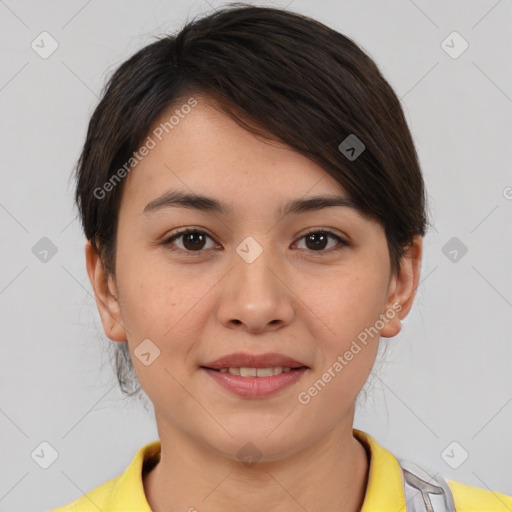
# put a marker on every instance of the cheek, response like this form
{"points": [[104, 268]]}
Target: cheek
{"points": [[146, 305], [347, 303], [162, 306], [348, 309]]}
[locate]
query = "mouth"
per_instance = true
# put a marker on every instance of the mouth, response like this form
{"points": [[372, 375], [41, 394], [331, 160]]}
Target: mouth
{"points": [[255, 383], [255, 375]]}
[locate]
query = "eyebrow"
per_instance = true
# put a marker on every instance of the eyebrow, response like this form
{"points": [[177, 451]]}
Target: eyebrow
{"points": [[203, 203]]}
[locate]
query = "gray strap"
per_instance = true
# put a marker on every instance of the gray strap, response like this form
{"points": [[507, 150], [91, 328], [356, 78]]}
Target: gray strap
{"points": [[425, 492]]}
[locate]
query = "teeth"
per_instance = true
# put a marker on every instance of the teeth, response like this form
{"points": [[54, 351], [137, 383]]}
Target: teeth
{"points": [[256, 372]]}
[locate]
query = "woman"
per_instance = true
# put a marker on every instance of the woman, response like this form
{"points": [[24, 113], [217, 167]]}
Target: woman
{"points": [[254, 213]]}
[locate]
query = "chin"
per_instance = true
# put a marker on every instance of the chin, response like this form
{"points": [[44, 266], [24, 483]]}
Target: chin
{"points": [[251, 445]]}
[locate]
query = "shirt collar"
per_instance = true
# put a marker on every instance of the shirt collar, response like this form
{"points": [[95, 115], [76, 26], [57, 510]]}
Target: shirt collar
{"points": [[384, 490], [128, 492]]}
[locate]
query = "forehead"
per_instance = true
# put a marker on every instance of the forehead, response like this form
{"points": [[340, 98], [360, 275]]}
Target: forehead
{"points": [[206, 152]]}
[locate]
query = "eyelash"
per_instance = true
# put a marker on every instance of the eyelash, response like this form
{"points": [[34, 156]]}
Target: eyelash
{"points": [[169, 241]]}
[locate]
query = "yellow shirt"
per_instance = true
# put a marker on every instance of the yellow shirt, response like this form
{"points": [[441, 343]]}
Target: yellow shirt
{"points": [[384, 493]]}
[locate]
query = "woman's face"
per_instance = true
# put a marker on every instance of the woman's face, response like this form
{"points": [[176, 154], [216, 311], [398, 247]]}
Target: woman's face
{"points": [[247, 280]]}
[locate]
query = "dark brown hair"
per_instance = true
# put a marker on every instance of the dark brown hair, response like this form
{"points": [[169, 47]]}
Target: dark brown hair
{"points": [[281, 75]]}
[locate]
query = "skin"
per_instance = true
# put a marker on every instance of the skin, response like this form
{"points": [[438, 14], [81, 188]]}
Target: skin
{"points": [[307, 303]]}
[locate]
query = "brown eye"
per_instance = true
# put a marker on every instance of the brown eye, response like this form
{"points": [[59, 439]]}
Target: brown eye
{"points": [[317, 241], [193, 240]]}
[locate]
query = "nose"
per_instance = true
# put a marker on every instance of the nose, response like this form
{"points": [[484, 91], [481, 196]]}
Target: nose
{"points": [[255, 296]]}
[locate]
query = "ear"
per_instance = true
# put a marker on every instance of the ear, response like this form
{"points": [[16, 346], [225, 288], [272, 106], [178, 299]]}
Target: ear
{"points": [[105, 292], [402, 289]]}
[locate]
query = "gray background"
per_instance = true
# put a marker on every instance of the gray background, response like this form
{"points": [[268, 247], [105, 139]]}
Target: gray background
{"points": [[446, 377]]}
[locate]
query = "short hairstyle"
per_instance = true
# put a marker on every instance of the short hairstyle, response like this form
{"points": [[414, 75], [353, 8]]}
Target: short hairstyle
{"points": [[280, 75]]}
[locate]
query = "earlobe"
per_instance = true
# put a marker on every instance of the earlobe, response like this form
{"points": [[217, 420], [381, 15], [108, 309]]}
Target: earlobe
{"points": [[105, 293], [393, 321], [402, 289]]}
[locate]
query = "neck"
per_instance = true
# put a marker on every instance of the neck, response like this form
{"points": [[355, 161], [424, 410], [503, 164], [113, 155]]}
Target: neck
{"points": [[330, 474]]}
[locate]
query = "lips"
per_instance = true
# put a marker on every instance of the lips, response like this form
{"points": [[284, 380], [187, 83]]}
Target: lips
{"points": [[245, 360]]}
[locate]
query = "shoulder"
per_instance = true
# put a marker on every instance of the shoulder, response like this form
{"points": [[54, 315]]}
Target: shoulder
{"points": [[475, 499], [122, 493], [420, 487], [94, 500]]}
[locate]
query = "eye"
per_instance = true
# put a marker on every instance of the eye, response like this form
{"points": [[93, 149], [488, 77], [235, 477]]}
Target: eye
{"points": [[193, 240], [316, 240]]}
